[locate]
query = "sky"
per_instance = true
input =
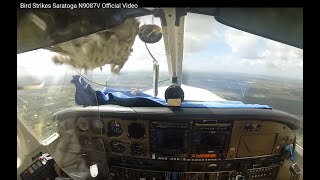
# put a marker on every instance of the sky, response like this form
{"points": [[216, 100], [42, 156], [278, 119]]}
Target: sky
{"points": [[208, 47]]}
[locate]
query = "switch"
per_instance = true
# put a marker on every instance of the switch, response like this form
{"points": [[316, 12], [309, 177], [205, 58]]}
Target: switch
{"points": [[212, 166]]}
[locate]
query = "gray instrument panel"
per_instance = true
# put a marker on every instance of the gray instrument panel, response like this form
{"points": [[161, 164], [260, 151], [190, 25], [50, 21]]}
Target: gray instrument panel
{"points": [[204, 140]]}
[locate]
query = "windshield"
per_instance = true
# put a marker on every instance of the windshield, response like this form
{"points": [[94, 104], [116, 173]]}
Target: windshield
{"points": [[232, 64]]}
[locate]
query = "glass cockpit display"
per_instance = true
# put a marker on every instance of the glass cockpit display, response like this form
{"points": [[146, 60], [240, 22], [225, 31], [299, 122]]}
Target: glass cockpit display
{"points": [[170, 139], [209, 141]]}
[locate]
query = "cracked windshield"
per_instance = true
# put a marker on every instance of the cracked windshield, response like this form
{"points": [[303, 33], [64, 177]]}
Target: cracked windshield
{"points": [[232, 64]]}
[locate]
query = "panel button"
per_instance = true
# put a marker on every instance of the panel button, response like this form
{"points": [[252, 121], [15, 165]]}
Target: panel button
{"points": [[212, 166]]}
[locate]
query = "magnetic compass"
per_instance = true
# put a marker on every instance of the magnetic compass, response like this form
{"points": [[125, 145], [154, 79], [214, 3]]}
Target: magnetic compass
{"points": [[150, 33]]}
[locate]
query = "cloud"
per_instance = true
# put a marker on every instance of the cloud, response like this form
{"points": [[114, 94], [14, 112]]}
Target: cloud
{"points": [[38, 63], [199, 32], [284, 58], [264, 56], [242, 43]]}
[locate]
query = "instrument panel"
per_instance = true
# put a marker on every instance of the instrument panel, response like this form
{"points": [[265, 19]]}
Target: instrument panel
{"points": [[201, 147], [207, 140], [128, 138]]}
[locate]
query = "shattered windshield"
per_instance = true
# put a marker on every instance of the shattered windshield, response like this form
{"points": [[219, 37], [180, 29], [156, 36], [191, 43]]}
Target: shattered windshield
{"points": [[232, 64]]}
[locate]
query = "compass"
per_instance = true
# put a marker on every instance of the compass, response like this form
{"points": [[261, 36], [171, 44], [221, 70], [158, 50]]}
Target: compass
{"points": [[150, 33]]}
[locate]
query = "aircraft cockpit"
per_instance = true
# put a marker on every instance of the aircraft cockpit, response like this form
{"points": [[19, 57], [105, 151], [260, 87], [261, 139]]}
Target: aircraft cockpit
{"points": [[156, 125]]}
